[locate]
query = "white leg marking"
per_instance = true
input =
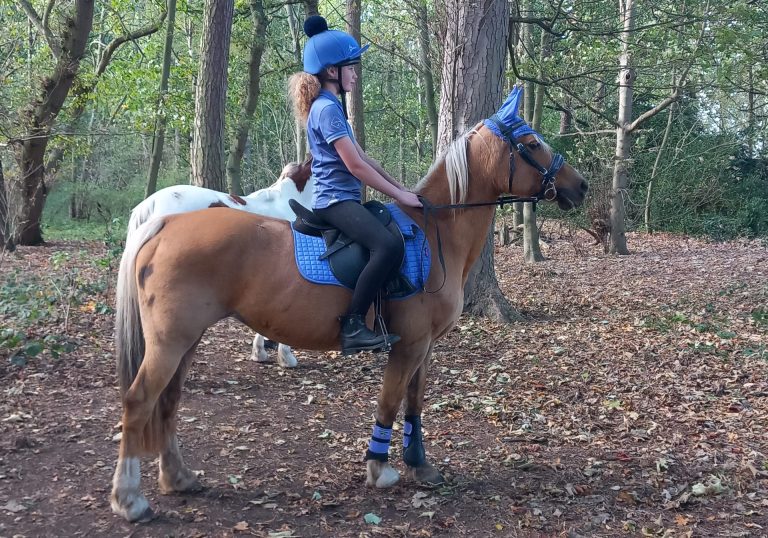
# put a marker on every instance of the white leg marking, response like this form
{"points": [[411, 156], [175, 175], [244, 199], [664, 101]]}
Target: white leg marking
{"points": [[285, 356], [259, 354], [127, 500], [381, 474]]}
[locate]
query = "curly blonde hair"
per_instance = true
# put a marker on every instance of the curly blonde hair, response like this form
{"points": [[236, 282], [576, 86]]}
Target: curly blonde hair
{"points": [[303, 89]]}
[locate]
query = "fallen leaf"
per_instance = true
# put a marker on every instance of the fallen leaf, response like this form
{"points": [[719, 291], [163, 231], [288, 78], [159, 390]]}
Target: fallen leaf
{"points": [[13, 507]]}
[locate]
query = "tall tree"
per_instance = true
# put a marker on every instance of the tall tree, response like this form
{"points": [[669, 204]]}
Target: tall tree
{"points": [[472, 83], [158, 140], [208, 160], [252, 91], [425, 67], [626, 126], [355, 103], [298, 127], [4, 245], [26, 191]]}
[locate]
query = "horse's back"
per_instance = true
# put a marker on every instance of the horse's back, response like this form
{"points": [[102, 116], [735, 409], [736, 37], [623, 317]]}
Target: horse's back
{"points": [[239, 264]]}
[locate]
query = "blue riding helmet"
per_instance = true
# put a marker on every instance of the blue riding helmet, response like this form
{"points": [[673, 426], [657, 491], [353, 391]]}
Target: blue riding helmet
{"points": [[325, 47]]}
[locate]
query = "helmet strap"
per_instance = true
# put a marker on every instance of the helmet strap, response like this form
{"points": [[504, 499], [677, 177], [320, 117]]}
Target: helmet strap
{"points": [[343, 94]]}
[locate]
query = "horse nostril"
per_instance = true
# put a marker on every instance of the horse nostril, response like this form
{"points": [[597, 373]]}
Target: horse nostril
{"points": [[584, 186]]}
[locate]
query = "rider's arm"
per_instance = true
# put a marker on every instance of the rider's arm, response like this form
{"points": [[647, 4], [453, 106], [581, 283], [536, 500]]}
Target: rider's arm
{"points": [[362, 169], [376, 166]]}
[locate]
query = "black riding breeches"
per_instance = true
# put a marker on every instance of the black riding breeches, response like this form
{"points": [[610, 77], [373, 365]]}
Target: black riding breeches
{"points": [[356, 222]]}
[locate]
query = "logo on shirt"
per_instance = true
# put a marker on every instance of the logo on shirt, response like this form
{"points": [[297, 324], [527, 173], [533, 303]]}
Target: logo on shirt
{"points": [[337, 123]]}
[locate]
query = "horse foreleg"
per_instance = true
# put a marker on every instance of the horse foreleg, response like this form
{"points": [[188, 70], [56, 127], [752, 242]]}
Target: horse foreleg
{"points": [[414, 454], [285, 356], [403, 361]]}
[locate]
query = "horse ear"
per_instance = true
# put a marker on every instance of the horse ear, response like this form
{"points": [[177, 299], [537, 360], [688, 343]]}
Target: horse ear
{"points": [[508, 111]]}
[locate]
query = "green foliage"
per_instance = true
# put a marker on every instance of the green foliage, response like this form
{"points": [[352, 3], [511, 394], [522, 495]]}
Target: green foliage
{"points": [[712, 174], [28, 302]]}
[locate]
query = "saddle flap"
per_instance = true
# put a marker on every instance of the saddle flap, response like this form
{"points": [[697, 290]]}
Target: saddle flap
{"points": [[307, 222], [330, 258]]}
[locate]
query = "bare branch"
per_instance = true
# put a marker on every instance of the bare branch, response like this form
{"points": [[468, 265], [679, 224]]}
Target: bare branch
{"points": [[109, 51], [655, 110], [47, 13], [42, 27]]}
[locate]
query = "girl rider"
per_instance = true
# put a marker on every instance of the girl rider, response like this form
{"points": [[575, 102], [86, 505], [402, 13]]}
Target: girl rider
{"points": [[340, 167]]}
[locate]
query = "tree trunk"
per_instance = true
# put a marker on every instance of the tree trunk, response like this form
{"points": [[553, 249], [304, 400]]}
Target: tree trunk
{"points": [[160, 121], [518, 220], [236, 152], [618, 239], [531, 248], [6, 242], [525, 56], [355, 102], [298, 127], [471, 89], [310, 8], [482, 296], [531, 251], [208, 163], [425, 69], [566, 116], [26, 191], [649, 192]]}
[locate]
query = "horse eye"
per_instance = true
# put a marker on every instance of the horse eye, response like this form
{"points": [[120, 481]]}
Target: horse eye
{"points": [[534, 145]]}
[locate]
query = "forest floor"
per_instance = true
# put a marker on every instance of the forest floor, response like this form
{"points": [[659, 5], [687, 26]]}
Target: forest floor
{"points": [[632, 400]]}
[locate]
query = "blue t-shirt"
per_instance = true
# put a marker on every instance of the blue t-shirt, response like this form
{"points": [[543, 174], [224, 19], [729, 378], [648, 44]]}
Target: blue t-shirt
{"points": [[333, 181]]}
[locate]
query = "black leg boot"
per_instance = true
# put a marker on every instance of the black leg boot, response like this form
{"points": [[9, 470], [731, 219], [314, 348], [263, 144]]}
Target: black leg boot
{"points": [[356, 336]]}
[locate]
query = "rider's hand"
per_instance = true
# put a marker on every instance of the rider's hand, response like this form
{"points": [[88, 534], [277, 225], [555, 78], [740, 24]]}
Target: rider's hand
{"points": [[409, 199]]}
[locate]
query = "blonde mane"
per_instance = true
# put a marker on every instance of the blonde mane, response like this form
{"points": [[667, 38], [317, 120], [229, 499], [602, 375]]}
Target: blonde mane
{"points": [[456, 168]]}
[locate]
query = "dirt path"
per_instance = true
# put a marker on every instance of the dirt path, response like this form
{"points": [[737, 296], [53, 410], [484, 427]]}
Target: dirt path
{"points": [[632, 401]]}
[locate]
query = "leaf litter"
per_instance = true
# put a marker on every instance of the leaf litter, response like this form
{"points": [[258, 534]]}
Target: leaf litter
{"points": [[631, 400]]}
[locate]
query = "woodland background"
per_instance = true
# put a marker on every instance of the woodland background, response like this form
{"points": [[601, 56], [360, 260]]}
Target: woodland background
{"points": [[78, 131], [628, 397]]}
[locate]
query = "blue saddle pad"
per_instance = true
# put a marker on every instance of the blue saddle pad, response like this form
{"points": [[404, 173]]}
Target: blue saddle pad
{"points": [[415, 267]]}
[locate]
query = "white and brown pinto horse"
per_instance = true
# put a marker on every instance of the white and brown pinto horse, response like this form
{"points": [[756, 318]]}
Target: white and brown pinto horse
{"points": [[174, 284], [295, 183]]}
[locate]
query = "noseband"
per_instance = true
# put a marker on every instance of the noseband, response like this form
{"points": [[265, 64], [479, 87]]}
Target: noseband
{"points": [[548, 190]]}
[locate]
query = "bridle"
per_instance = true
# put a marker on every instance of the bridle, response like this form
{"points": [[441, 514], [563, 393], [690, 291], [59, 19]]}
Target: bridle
{"points": [[547, 192]]}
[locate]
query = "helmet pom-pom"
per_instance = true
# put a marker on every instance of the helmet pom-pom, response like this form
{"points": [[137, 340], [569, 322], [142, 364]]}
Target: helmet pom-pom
{"points": [[315, 25]]}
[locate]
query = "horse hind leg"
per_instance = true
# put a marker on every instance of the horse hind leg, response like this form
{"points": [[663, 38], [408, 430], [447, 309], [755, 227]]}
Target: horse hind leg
{"points": [[285, 356], [174, 476], [148, 424]]}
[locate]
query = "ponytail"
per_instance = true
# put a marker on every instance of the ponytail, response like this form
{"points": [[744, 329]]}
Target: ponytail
{"points": [[303, 89]]}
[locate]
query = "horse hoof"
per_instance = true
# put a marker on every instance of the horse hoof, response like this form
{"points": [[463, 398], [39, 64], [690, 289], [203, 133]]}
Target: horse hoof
{"points": [[133, 507], [286, 359], [147, 516], [426, 475], [381, 475], [187, 483], [260, 356]]}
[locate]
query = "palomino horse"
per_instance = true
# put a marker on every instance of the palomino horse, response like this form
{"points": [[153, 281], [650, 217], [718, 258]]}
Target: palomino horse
{"points": [[295, 183], [174, 284]]}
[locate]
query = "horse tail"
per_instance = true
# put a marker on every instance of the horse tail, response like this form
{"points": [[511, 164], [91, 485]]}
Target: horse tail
{"points": [[141, 214], [129, 335]]}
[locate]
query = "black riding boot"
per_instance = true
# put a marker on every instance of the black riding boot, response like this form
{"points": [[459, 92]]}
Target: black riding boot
{"points": [[356, 336]]}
